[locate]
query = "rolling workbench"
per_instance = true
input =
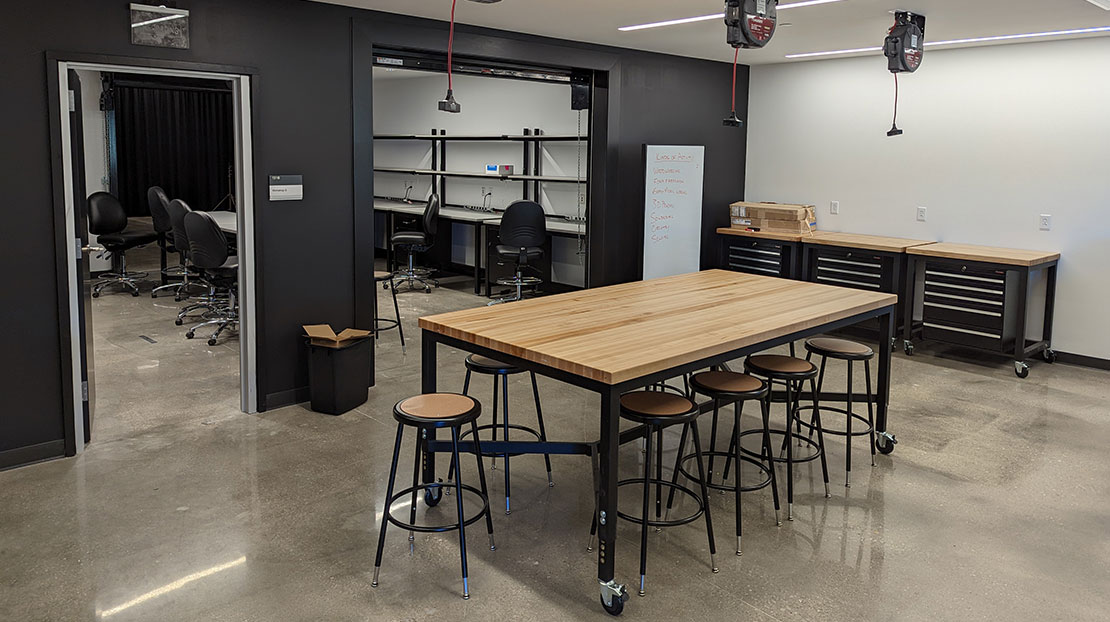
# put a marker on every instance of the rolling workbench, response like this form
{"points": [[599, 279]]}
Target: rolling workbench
{"points": [[978, 296], [761, 252]]}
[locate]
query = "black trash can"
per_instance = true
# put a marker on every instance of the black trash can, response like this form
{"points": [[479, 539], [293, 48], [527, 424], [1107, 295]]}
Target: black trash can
{"points": [[339, 377]]}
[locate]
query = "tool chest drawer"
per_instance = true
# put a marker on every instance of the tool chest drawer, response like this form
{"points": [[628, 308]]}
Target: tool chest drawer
{"points": [[756, 257], [973, 336], [845, 268]]}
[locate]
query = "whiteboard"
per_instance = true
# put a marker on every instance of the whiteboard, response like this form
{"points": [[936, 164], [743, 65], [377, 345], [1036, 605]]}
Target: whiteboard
{"points": [[672, 209]]}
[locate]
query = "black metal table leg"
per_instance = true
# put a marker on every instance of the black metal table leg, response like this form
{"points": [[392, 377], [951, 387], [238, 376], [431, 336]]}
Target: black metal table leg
{"points": [[478, 257], [612, 593], [886, 332], [906, 294], [1022, 296], [428, 343]]}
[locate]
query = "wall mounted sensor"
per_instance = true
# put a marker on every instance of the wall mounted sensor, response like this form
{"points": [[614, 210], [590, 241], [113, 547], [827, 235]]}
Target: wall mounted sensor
{"points": [[904, 48]]}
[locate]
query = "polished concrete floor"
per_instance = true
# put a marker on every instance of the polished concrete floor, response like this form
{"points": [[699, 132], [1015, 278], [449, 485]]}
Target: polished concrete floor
{"points": [[995, 505]]}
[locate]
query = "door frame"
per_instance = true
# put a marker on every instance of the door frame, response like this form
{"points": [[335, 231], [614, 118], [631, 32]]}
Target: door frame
{"points": [[243, 80]]}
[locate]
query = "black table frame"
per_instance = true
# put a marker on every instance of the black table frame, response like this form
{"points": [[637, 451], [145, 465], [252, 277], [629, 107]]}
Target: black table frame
{"points": [[607, 447]]}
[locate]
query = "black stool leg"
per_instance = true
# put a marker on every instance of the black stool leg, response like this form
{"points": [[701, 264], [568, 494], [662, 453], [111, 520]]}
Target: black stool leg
{"points": [[705, 499], [388, 496], [493, 459], [658, 477], [820, 387], [765, 408], [820, 437], [644, 516], [737, 409], [397, 310], [505, 417], [713, 436], [482, 480], [459, 507], [415, 481], [788, 441], [677, 464], [848, 437], [543, 431], [870, 407]]}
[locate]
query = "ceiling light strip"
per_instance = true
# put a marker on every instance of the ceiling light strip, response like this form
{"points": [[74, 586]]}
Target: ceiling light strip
{"points": [[1029, 35], [705, 18]]}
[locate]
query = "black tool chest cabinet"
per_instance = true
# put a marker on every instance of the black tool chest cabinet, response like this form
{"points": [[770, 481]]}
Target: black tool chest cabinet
{"points": [[761, 253]]}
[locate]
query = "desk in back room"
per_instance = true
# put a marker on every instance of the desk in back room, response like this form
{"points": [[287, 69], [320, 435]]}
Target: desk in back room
{"points": [[870, 262], [978, 296]]}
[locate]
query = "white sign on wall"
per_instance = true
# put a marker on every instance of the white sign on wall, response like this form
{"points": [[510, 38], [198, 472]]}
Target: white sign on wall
{"points": [[672, 209]]}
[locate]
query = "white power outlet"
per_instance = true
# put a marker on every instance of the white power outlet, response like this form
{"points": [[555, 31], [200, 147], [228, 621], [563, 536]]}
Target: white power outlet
{"points": [[1046, 222], [922, 214], [834, 207]]}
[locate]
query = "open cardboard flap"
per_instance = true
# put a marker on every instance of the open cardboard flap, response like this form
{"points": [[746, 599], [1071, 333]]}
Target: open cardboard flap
{"points": [[323, 335]]}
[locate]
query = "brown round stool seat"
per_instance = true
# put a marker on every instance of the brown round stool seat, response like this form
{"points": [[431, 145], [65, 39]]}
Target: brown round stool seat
{"points": [[728, 384], [780, 367], [437, 410], [486, 365], [657, 407], [839, 349], [382, 275]]}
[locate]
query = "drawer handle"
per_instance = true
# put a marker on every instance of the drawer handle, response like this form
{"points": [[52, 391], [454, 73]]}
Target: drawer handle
{"points": [[962, 309]]}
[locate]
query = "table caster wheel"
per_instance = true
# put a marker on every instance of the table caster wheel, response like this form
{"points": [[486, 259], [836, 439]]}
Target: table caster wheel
{"points": [[1050, 356], [178, 321], [212, 342], [134, 294], [427, 290], [189, 335], [385, 286], [907, 347], [96, 295], [1021, 369], [432, 497], [885, 444], [617, 602]]}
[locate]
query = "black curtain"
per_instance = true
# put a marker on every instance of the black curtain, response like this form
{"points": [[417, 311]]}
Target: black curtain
{"points": [[179, 137]]}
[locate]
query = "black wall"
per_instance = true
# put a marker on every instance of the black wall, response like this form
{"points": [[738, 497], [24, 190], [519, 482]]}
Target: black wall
{"points": [[303, 124]]}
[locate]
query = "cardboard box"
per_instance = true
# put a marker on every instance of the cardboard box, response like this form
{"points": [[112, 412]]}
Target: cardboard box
{"points": [[778, 226], [323, 335], [773, 211]]}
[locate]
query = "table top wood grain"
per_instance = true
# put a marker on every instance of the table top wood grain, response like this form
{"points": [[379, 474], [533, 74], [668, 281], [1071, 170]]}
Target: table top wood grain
{"points": [[862, 241], [622, 332], [986, 254]]}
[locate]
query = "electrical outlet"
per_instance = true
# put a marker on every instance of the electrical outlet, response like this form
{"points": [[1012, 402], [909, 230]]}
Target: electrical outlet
{"points": [[1046, 222], [834, 207], [922, 214]]}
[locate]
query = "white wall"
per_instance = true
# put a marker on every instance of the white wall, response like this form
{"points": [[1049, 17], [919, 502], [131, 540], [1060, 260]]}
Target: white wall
{"points": [[96, 161], [994, 137], [407, 105]]}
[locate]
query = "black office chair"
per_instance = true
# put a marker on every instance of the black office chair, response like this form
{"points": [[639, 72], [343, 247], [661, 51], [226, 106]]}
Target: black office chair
{"points": [[208, 250], [417, 242], [177, 210], [158, 202], [108, 221], [523, 233]]}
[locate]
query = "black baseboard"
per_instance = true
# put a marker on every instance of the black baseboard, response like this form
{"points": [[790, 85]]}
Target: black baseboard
{"points": [[284, 398], [1084, 361], [32, 453]]}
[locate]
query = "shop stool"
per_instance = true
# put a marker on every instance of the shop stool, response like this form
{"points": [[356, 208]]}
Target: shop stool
{"points": [[724, 387], [792, 373], [477, 364], [384, 323], [849, 351], [657, 410], [433, 411]]}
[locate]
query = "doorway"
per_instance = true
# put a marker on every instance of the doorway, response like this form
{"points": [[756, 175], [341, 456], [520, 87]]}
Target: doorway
{"points": [[75, 180]]}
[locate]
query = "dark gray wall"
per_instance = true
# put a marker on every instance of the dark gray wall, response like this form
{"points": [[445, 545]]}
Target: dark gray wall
{"points": [[303, 123]]}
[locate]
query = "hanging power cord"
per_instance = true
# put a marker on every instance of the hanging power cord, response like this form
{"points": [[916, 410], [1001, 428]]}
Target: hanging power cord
{"points": [[448, 104], [894, 131], [732, 120]]}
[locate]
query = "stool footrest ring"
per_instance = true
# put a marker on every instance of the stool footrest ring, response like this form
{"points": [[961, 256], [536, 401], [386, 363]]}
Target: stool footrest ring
{"points": [[665, 484], [864, 432], [498, 426], [724, 454], [816, 449], [435, 528]]}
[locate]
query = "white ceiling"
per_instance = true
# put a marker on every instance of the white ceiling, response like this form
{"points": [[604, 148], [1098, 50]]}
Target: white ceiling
{"points": [[838, 25]]}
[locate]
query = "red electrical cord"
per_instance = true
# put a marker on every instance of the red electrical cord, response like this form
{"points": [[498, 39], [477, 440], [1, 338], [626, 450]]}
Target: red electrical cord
{"points": [[735, 58], [895, 122], [450, 44]]}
